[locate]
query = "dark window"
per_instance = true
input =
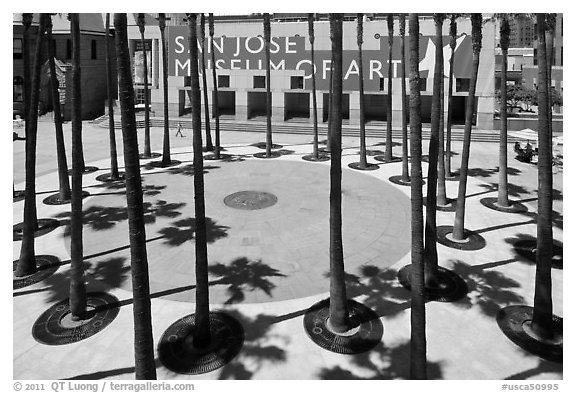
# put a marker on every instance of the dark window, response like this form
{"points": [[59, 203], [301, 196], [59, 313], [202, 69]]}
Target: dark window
{"points": [[535, 56], [93, 52], [68, 48], [462, 84], [381, 84], [296, 82], [422, 84], [187, 81], [259, 82], [17, 48], [223, 80], [18, 90]]}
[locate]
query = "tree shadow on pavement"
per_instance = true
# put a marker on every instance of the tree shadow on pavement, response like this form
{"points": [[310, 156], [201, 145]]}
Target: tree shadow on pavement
{"points": [[544, 366], [184, 230]]}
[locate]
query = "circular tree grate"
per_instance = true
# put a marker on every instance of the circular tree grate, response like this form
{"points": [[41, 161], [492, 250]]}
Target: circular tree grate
{"points": [[47, 266], [223, 157], [152, 155], [528, 247], [274, 154], [250, 200], [107, 177], [368, 167], [55, 327], [87, 170], [472, 242], [321, 157], [384, 160], [368, 334], [54, 199], [18, 195], [397, 179], [176, 350], [262, 145], [514, 207], [512, 320], [45, 225], [160, 164], [450, 207], [451, 287]]}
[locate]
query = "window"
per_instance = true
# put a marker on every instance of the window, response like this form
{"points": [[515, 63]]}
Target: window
{"points": [[68, 48], [17, 48], [259, 82], [93, 50], [296, 82], [462, 84], [18, 89], [422, 84], [223, 80], [139, 99], [381, 84]]}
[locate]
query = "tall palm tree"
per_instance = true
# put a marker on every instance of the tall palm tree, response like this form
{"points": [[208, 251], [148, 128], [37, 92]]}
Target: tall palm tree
{"points": [[166, 142], [550, 31], [359, 39], [201, 331], [314, 103], [27, 261], [338, 302], [141, 20], [418, 308], [143, 339], [442, 200], [388, 152], [402, 26], [215, 107], [430, 249], [268, 93], [64, 193], [503, 150], [448, 156], [77, 286], [209, 145], [542, 322], [114, 174], [458, 231]]}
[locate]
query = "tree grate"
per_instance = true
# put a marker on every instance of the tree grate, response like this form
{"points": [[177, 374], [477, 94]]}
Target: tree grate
{"points": [[527, 248], [107, 177], [54, 199], [262, 145], [250, 200], [18, 195], [47, 266], [386, 161], [473, 241], [87, 170], [102, 310], [321, 157], [45, 226], [511, 321], [514, 207], [366, 337], [273, 154], [398, 180], [368, 167], [160, 164], [450, 288], [177, 352], [151, 156]]}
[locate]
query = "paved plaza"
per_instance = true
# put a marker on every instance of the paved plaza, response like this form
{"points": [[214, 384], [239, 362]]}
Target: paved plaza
{"points": [[268, 266]]}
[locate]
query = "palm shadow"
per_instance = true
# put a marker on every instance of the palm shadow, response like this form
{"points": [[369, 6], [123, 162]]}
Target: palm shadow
{"points": [[544, 366], [526, 256], [184, 230], [185, 170], [244, 275], [488, 172]]}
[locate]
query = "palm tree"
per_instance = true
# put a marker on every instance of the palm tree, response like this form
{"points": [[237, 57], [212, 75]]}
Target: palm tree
{"points": [[77, 286], [209, 145], [550, 29], [268, 94], [448, 156], [503, 151], [439, 79], [147, 149], [215, 107], [418, 308], [201, 331], [338, 303], [402, 25], [143, 339], [314, 103], [458, 231], [388, 152], [166, 143], [27, 261], [63, 181], [363, 162], [114, 174]]}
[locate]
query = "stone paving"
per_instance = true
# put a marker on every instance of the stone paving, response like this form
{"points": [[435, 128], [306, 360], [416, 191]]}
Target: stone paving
{"points": [[268, 266]]}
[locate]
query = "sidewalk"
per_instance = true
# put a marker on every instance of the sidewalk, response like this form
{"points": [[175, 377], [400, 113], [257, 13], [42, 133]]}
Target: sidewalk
{"points": [[290, 239]]}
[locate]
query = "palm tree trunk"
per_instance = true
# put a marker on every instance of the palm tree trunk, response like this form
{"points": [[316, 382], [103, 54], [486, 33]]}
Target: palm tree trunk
{"points": [[388, 152], [63, 180], [458, 232], [448, 156], [215, 107], [405, 174], [418, 308], [542, 318], [550, 29], [503, 151], [359, 39], [27, 261], [330, 98], [77, 286], [268, 93], [166, 140], [202, 320], [147, 148], [338, 302], [439, 73], [143, 338], [314, 103], [209, 145], [114, 175]]}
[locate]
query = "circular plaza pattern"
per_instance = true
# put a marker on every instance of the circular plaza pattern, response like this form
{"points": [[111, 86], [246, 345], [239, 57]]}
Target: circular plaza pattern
{"points": [[277, 253]]}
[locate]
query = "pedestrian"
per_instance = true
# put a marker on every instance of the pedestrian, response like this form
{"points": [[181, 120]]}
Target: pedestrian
{"points": [[179, 131]]}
